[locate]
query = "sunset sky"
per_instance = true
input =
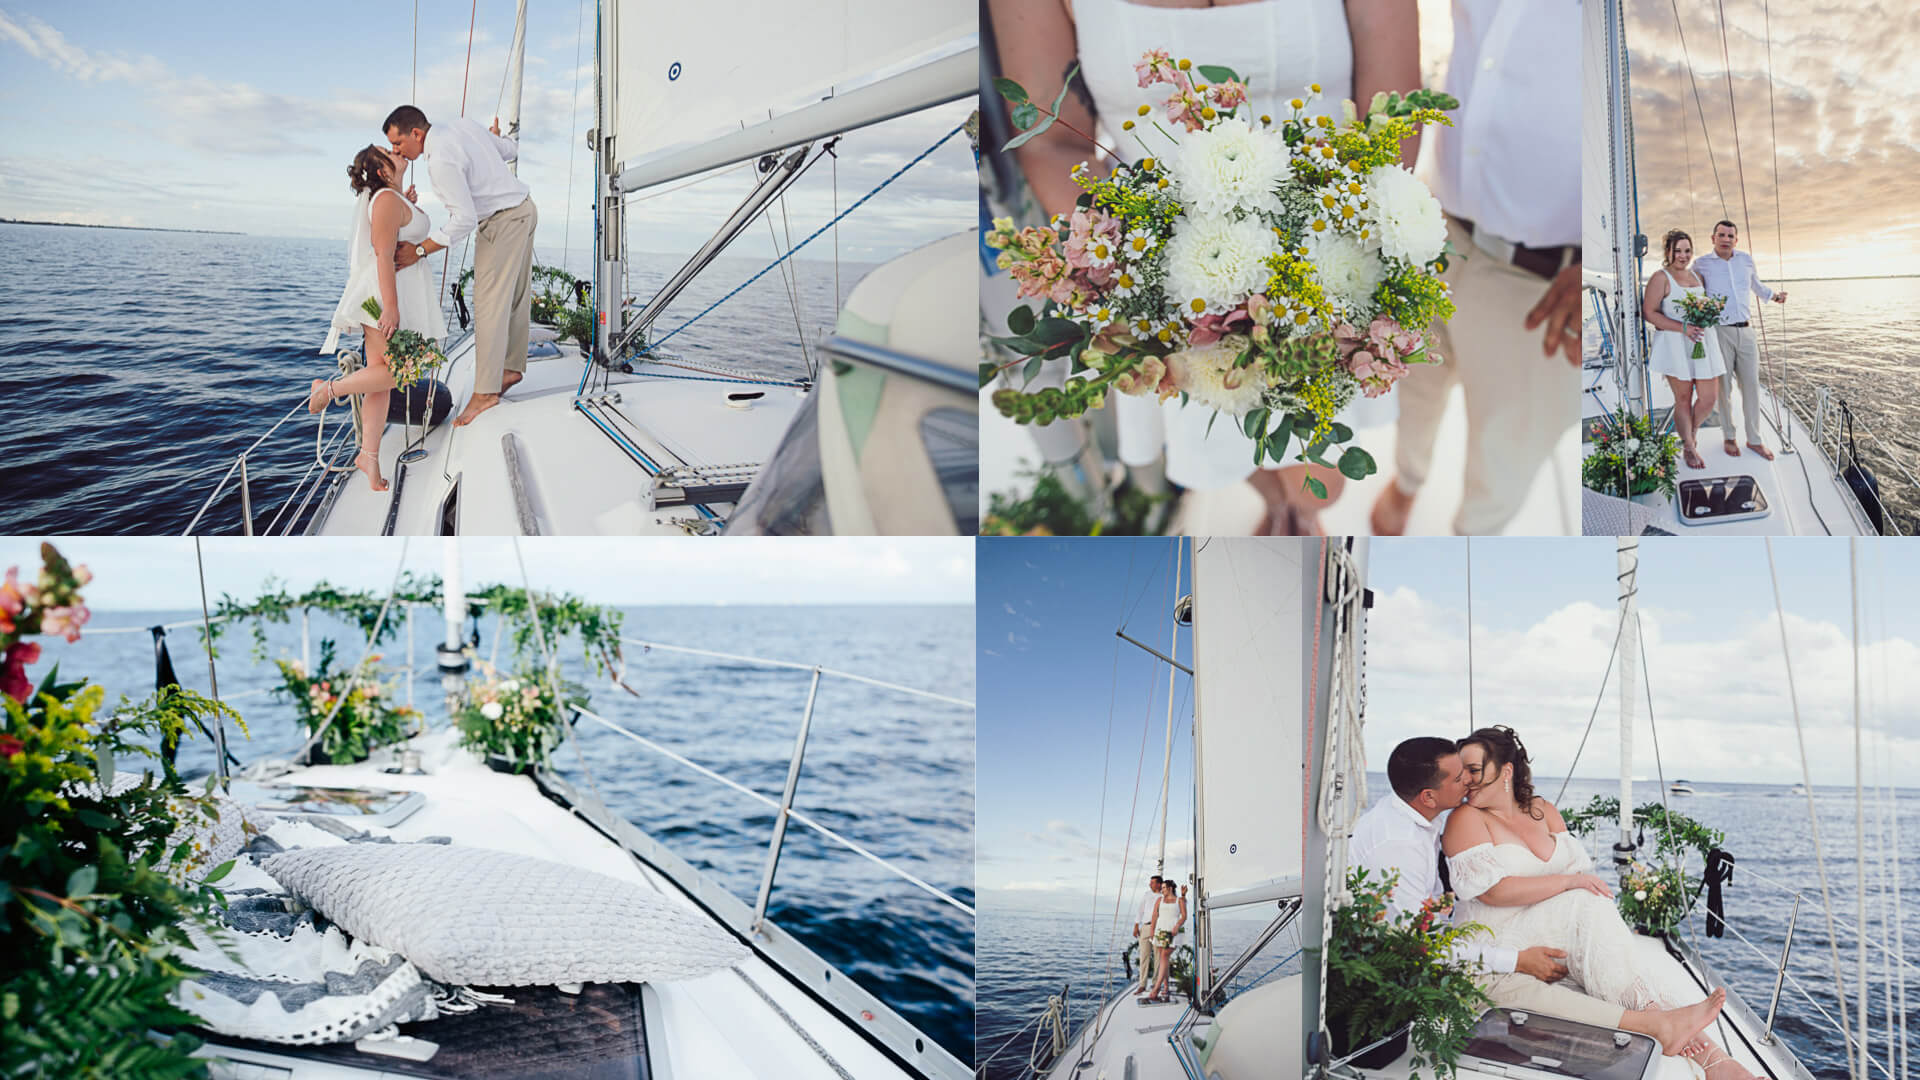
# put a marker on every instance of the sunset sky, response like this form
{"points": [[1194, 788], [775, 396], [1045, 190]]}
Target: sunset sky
{"points": [[1846, 91]]}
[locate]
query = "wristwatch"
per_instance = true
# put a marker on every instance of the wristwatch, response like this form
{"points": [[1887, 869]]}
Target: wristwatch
{"points": [[420, 250]]}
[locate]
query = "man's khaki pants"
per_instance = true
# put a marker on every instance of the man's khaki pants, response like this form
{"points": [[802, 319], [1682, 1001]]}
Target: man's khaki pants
{"points": [[1513, 990], [502, 294], [1147, 952], [1741, 352], [1518, 401]]}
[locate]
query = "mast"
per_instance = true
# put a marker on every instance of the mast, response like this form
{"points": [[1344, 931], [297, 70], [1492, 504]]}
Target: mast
{"points": [[1166, 761], [1316, 663], [450, 654], [609, 274], [516, 71], [1627, 562], [1627, 242]]}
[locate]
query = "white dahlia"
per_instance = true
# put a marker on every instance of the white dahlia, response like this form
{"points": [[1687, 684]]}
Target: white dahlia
{"points": [[1207, 374], [1218, 261], [1348, 270], [1406, 216], [1232, 164]]}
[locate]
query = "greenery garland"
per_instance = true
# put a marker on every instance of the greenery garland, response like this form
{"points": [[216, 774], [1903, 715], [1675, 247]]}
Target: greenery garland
{"points": [[1653, 899], [1673, 833]]}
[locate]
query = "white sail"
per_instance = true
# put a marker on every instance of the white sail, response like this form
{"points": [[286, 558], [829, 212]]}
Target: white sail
{"points": [[1248, 698], [1596, 239], [690, 73]]}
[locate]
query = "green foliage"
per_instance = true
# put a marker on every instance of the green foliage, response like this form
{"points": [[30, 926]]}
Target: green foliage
{"points": [[1625, 446], [96, 1022], [1654, 900], [165, 714], [1180, 961], [1384, 973], [365, 716], [1673, 833], [1052, 511], [1028, 116], [1669, 892], [520, 718]]}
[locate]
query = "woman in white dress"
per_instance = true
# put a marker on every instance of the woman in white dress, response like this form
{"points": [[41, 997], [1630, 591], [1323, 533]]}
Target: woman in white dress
{"points": [[1695, 381], [383, 218], [1169, 918], [1517, 871], [1352, 48]]}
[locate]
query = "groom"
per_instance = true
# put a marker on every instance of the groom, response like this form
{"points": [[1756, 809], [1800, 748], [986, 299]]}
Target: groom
{"points": [[468, 164], [1402, 832], [1729, 273]]}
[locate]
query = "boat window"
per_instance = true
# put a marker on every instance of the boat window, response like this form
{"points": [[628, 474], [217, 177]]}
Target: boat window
{"points": [[952, 439], [788, 496]]}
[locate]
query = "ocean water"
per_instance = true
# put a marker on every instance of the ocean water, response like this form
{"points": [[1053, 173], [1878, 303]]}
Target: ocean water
{"points": [[135, 365], [1025, 955], [890, 771]]}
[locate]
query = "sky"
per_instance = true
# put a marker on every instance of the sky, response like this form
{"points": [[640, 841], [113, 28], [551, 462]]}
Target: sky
{"points": [[160, 574], [1845, 98], [1052, 678], [208, 116]]}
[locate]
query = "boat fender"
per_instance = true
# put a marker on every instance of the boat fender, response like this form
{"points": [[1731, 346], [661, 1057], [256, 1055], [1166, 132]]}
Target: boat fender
{"points": [[1866, 490], [1719, 872], [426, 403]]}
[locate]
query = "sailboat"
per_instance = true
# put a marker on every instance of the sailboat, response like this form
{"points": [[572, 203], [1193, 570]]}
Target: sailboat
{"points": [[630, 438], [782, 1012], [1820, 483]]}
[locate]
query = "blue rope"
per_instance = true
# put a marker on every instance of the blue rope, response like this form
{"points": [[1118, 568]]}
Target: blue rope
{"points": [[816, 233]]}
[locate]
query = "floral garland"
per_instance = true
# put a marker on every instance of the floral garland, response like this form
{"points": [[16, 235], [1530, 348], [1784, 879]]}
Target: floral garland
{"points": [[1653, 900], [521, 717]]}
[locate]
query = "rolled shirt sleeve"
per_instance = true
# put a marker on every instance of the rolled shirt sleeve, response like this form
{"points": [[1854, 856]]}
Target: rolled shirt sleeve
{"points": [[509, 149], [450, 183]]}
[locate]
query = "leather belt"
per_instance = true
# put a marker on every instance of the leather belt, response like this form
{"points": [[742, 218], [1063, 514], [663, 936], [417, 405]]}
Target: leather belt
{"points": [[1540, 262], [1731, 325]]}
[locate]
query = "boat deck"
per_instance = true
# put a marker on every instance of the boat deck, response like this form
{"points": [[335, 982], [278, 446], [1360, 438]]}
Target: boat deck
{"points": [[747, 1023], [1803, 493], [536, 465], [1132, 1041]]}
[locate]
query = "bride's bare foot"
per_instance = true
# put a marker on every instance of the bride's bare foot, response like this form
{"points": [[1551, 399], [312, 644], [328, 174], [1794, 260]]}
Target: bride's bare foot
{"points": [[368, 461], [1711, 1058], [1675, 1029], [1694, 460], [319, 394], [1732, 448]]}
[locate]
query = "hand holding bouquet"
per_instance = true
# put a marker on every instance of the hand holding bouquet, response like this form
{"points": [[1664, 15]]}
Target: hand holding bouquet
{"points": [[1702, 312], [1271, 268], [410, 357]]}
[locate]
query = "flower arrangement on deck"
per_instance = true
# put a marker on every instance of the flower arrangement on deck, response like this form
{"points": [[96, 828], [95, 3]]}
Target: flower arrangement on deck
{"points": [[1653, 900], [519, 717], [365, 715], [1270, 269], [1629, 459], [410, 357]]}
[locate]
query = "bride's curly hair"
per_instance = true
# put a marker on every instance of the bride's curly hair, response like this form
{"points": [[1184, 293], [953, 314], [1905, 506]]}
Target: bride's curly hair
{"points": [[1673, 237], [1503, 747], [364, 173]]}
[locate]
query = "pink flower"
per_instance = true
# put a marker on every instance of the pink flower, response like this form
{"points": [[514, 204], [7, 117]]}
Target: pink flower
{"points": [[1088, 231], [82, 575], [13, 670], [1156, 66], [10, 746], [1144, 377], [1184, 107], [1208, 329], [1228, 94], [12, 601], [65, 621]]}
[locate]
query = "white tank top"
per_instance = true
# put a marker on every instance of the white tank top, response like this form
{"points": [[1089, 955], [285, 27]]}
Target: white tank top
{"points": [[1169, 915]]}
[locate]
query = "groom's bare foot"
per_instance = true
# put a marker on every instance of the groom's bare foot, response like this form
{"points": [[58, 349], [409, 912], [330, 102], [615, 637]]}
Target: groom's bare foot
{"points": [[1761, 450], [1675, 1029], [1732, 448], [1391, 510], [476, 405], [508, 380]]}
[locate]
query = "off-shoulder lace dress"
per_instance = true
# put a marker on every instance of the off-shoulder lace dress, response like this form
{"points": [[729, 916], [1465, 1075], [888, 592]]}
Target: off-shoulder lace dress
{"points": [[1601, 957]]}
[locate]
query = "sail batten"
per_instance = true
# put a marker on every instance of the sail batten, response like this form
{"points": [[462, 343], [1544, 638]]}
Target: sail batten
{"points": [[1247, 698]]}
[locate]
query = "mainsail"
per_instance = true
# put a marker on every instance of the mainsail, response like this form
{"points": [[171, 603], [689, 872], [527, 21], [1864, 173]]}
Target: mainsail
{"points": [[1247, 643], [1596, 152], [690, 74]]}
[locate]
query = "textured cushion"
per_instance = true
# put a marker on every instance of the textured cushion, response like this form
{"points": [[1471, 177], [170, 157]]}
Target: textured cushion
{"points": [[488, 918]]}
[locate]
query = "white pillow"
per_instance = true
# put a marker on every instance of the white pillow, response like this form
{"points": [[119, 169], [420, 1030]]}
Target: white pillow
{"points": [[476, 917]]}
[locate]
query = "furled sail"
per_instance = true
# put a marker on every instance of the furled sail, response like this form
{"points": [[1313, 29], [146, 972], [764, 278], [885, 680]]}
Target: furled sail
{"points": [[690, 73], [1247, 642], [1596, 181]]}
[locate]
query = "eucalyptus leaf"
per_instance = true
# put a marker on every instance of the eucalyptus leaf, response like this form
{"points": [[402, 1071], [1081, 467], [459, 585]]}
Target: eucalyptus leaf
{"points": [[1214, 73], [1010, 90], [1255, 424], [1020, 320], [1020, 140], [1025, 115], [1031, 369], [1056, 331], [1319, 489], [1341, 432], [82, 881], [987, 372], [1357, 464], [218, 872]]}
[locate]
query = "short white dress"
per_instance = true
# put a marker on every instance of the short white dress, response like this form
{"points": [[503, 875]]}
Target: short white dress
{"points": [[413, 287], [1672, 353], [1279, 47]]}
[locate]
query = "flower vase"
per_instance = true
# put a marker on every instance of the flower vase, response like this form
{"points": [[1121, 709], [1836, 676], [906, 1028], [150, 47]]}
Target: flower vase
{"points": [[501, 763]]}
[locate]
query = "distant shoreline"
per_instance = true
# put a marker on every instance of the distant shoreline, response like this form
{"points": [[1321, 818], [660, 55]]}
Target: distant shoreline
{"points": [[128, 228]]}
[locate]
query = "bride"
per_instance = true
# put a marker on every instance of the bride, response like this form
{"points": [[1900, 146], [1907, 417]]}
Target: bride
{"points": [[383, 218], [1694, 381], [1517, 871]]}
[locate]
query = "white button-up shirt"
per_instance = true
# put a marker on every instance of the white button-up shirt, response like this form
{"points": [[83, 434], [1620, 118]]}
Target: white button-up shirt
{"points": [[1732, 278], [1144, 916], [468, 165], [1511, 162], [1394, 836]]}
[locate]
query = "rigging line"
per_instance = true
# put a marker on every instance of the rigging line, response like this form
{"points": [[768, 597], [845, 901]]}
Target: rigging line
{"points": [[359, 669], [788, 285], [1660, 770], [1142, 595], [922, 156], [1106, 765], [1699, 107], [813, 368], [1618, 628], [1813, 818], [1470, 727], [213, 681], [1893, 807], [472, 21], [1859, 807]]}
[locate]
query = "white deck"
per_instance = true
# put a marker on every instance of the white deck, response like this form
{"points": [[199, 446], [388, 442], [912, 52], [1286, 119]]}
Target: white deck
{"points": [[1806, 495], [1132, 1042], [1551, 508], [574, 480], [714, 1027]]}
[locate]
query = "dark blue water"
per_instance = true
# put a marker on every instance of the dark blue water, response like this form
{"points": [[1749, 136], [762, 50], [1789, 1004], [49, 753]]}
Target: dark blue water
{"points": [[135, 365], [1026, 955], [892, 772]]}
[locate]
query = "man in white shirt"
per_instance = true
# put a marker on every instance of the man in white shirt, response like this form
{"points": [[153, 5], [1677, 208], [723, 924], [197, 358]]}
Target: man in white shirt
{"points": [[1143, 933], [1401, 832], [1508, 177], [468, 164], [1729, 273]]}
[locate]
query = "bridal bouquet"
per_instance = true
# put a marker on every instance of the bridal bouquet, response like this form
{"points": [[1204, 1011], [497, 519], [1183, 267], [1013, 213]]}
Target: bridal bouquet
{"points": [[410, 357], [1701, 311], [1270, 268]]}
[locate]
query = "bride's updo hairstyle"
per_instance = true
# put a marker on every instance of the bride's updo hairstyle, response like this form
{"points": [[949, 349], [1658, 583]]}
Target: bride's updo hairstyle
{"points": [[364, 173], [1503, 747], [1673, 237]]}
